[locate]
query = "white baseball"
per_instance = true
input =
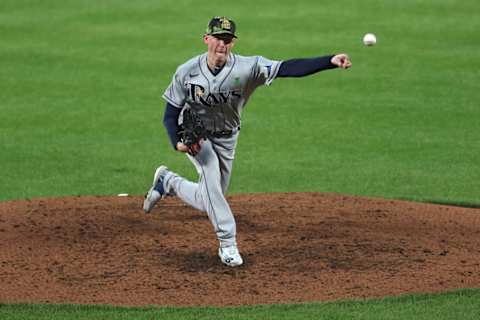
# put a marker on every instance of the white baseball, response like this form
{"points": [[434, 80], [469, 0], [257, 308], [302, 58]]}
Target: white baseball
{"points": [[123, 195], [369, 39]]}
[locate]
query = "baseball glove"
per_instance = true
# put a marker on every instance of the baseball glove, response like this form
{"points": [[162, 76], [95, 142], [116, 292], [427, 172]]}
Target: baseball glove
{"points": [[192, 131]]}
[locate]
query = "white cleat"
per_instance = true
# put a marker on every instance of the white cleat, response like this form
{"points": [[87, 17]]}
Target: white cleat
{"points": [[230, 256], [156, 192]]}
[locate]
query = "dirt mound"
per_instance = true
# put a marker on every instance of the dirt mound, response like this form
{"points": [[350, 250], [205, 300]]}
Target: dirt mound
{"points": [[297, 247]]}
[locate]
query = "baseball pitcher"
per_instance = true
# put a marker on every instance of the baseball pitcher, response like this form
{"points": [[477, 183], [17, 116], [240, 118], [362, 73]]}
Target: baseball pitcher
{"points": [[204, 104]]}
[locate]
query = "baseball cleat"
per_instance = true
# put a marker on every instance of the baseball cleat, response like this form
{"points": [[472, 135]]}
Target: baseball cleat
{"points": [[230, 256], [157, 191]]}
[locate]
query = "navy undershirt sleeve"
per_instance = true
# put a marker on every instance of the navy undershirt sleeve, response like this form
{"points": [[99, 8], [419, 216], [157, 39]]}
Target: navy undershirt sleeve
{"points": [[304, 67], [170, 121]]}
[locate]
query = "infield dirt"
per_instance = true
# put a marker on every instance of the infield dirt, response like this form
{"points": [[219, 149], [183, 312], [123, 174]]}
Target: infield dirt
{"points": [[297, 247]]}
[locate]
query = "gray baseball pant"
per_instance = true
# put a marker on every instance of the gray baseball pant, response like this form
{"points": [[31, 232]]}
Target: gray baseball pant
{"points": [[214, 166]]}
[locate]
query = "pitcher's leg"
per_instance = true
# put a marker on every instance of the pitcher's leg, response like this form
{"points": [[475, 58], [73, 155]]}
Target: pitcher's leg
{"points": [[186, 190], [207, 194], [225, 149]]}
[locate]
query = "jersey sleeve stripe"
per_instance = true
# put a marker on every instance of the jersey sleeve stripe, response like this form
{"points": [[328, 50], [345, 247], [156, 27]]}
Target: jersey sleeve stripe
{"points": [[274, 74]]}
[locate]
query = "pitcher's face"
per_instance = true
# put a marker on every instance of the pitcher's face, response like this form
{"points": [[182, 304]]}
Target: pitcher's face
{"points": [[219, 46]]}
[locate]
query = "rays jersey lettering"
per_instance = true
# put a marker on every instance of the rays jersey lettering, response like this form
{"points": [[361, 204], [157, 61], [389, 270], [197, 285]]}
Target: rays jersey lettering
{"points": [[199, 95], [219, 99]]}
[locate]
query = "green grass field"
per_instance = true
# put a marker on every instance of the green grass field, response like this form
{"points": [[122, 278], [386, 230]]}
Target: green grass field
{"points": [[81, 110], [463, 305]]}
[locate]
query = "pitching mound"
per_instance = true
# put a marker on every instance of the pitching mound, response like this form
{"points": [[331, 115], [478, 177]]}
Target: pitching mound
{"points": [[297, 247]]}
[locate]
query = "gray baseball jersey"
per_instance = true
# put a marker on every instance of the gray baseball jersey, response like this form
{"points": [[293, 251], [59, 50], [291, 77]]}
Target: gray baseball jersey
{"points": [[219, 99]]}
